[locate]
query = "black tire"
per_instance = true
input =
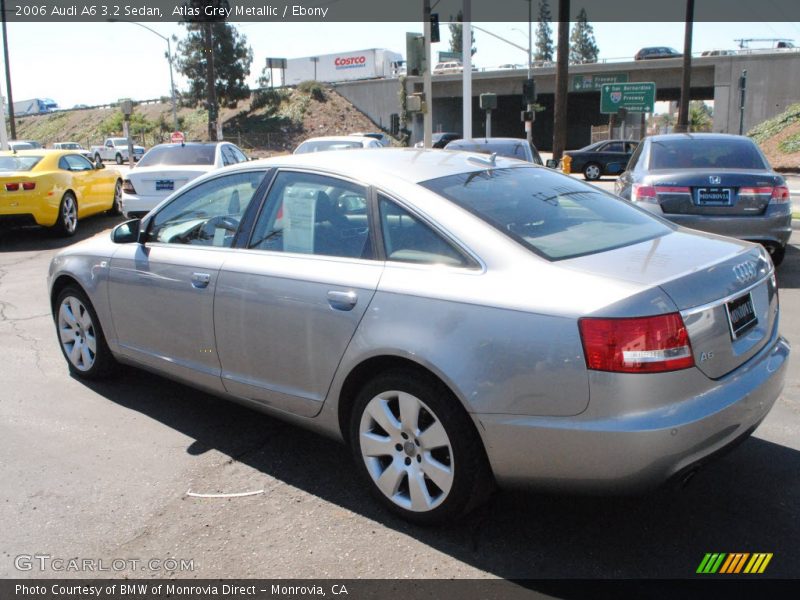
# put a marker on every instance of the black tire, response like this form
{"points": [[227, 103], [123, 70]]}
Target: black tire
{"points": [[470, 479], [67, 221], [116, 205], [776, 253], [103, 363], [592, 172], [98, 158], [118, 158]]}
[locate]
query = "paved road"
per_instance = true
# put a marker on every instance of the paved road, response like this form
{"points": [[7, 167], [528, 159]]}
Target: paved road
{"points": [[102, 471]]}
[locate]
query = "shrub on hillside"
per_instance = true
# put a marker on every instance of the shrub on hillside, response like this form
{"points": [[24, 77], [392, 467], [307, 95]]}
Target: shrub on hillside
{"points": [[313, 89]]}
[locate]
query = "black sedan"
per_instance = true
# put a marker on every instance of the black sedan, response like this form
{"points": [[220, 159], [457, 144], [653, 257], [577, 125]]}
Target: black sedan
{"points": [[608, 157], [656, 52], [712, 182]]}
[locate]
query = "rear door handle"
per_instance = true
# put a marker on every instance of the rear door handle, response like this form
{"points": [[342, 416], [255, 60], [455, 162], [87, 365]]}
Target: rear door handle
{"points": [[342, 300], [200, 280]]}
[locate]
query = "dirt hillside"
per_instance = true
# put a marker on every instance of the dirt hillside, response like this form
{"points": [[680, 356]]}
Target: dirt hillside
{"points": [[289, 117]]}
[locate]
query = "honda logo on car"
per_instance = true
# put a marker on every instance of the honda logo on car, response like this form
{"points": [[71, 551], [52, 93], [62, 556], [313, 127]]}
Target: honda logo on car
{"points": [[350, 62]]}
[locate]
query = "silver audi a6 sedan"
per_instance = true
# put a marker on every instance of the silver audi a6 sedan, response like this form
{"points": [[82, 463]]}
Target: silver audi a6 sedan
{"points": [[457, 319]]}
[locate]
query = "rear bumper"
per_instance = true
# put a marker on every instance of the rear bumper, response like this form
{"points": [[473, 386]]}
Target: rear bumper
{"points": [[29, 211], [775, 225], [641, 449], [138, 205]]}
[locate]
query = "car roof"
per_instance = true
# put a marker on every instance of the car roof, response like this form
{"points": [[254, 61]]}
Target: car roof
{"points": [[491, 140], [695, 136], [377, 164], [339, 138]]}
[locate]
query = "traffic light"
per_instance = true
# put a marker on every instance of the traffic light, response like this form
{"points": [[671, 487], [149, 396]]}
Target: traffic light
{"points": [[434, 28], [529, 91], [415, 54]]}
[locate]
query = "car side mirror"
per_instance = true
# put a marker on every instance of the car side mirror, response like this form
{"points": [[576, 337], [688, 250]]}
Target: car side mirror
{"points": [[551, 163], [128, 232]]}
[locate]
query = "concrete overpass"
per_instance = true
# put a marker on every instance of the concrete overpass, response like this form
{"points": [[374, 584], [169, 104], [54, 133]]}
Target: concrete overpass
{"points": [[772, 85]]}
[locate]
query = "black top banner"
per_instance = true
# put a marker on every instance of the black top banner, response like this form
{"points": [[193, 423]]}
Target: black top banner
{"points": [[392, 10]]}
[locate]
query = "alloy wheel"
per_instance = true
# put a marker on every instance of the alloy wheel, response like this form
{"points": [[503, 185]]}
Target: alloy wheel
{"points": [[407, 451], [76, 332]]}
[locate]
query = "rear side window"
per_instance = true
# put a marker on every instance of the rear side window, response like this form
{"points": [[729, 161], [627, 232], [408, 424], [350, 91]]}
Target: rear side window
{"points": [[407, 239], [705, 153], [551, 214]]}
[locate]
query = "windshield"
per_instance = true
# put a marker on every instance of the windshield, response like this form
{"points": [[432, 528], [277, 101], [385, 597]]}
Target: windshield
{"points": [[179, 155], [18, 163], [551, 214], [705, 153], [69, 146]]}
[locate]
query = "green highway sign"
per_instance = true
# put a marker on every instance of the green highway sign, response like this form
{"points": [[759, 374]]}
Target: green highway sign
{"points": [[449, 56], [593, 83], [633, 97]]}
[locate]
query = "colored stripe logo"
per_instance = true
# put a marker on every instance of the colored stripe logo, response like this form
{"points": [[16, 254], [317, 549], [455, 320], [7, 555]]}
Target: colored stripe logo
{"points": [[734, 563]]}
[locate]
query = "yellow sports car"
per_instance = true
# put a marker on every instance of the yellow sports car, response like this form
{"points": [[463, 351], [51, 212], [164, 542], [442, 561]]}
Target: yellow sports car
{"points": [[55, 188]]}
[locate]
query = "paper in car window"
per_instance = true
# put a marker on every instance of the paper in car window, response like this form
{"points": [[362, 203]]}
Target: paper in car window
{"points": [[298, 224]]}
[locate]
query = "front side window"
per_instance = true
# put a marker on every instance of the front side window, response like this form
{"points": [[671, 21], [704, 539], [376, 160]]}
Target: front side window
{"points": [[208, 214], [551, 214], [406, 238], [307, 213]]}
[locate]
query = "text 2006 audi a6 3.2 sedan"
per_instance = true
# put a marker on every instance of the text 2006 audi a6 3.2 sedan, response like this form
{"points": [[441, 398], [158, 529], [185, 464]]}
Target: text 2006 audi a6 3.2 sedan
{"points": [[458, 319]]}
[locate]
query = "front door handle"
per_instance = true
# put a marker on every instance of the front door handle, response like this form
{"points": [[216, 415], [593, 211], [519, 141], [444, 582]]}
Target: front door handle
{"points": [[200, 280], [342, 300]]}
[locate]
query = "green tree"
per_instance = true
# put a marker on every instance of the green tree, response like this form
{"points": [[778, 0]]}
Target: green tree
{"points": [[700, 116], [457, 35], [544, 34], [232, 59], [582, 46]]}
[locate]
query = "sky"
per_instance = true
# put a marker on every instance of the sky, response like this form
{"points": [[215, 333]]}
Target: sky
{"points": [[98, 63]]}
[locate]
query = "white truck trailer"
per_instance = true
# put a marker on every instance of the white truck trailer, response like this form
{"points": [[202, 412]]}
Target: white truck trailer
{"points": [[374, 63]]}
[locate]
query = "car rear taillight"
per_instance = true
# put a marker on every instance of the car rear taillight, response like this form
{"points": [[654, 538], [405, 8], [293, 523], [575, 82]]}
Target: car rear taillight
{"points": [[636, 345], [29, 185], [756, 191], [127, 187], [12, 187], [644, 193], [673, 189], [780, 194]]}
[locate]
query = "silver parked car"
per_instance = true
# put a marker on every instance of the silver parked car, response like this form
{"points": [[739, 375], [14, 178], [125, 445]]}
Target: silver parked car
{"points": [[713, 182], [457, 319]]}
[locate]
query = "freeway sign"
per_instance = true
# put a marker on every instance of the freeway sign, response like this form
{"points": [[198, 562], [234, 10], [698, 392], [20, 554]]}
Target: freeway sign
{"points": [[593, 83], [450, 56], [633, 97]]}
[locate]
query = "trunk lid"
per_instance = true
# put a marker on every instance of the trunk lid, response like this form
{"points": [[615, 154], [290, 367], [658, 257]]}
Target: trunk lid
{"points": [[714, 191], [161, 182], [717, 284]]}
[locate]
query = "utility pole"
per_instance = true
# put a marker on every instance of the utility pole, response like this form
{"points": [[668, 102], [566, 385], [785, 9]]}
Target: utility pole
{"points": [[11, 122], [466, 71], [686, 81], [742, 97], [562, 74], [529, 108], [427, 87], [211, 91]]}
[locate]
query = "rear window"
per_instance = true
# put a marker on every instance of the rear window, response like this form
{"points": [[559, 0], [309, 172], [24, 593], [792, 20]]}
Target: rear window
{"points": [[708, 153], [507, 149], [178, 155], [327, 145], [553, 215], [18, 163]]}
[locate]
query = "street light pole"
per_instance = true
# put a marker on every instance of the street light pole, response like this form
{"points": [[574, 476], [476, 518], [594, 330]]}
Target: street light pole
{"points": [[11, 123], [529, 128], [169, 59]]}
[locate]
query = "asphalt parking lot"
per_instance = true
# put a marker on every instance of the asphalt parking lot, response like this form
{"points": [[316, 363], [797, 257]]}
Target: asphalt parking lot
{"points": [[102, 471]]}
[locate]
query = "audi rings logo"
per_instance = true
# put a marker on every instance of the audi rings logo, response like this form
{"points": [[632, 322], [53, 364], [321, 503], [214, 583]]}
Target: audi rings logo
{"points": [[745, 272]]}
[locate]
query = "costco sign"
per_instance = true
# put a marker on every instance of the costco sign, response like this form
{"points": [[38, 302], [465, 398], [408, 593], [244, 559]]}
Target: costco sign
{"points": [[350, 62]]}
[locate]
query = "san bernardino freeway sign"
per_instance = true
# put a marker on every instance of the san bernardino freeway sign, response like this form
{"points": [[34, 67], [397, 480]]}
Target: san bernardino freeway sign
{"points": [[633, 97]]}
